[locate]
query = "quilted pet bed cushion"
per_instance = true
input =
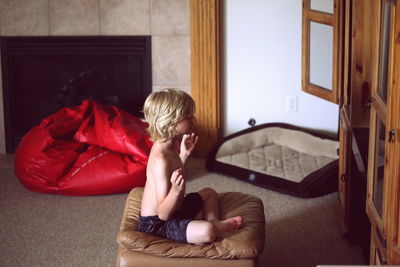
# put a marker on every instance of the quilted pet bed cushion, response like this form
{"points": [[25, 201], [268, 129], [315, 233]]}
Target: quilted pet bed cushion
{"points": [[281, 157]]}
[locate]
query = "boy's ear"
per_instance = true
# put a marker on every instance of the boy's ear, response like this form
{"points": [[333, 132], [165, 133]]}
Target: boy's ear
{"points": [[173, 130]]}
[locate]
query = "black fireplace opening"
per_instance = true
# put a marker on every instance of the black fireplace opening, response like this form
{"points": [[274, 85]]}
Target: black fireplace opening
{"points": [[44, 74]]}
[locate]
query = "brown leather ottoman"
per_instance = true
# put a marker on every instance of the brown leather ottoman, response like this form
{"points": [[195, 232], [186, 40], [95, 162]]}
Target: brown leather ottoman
{"points": [[235, 248]]}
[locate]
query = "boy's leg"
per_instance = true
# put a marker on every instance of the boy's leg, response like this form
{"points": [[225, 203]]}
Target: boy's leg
{"points": [[200, 232], [210, 212]]}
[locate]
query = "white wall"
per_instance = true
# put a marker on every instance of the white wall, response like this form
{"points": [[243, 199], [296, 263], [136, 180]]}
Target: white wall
{"points": [[263, 67]]}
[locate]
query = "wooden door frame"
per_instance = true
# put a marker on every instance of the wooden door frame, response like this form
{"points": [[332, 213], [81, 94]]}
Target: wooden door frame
{"points": [[393, 146], [205, 25]]}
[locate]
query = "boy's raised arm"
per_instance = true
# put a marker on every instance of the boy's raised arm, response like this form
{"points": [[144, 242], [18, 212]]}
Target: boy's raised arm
{"points": [[188, 144]]}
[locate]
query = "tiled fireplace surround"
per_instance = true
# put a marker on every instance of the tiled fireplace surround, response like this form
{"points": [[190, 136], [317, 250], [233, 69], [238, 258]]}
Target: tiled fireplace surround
{"points": [[167, 21]]}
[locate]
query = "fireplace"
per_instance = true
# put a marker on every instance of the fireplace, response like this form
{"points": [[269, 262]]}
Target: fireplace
{"points": [[43, 74]]}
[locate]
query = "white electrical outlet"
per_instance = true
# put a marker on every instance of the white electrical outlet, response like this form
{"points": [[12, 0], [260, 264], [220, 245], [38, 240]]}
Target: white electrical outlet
{"points": [[291, 103]]}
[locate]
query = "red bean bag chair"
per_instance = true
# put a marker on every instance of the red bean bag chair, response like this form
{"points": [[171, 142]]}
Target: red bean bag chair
{"points": [[84, 150]]}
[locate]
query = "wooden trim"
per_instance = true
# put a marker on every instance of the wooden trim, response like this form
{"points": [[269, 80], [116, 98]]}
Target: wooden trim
{"points": [[319, 91], [374, 217], [393, 122], [320, 17], [305, 48], [338, 53], [379, 250], [379, 106], [344, 112], [344, 170], [388, 180], [347, 74], [205, 67]]}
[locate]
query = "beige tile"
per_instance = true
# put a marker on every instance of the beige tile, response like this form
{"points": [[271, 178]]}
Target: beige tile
{"points": [[170, 17], [74, 17], [125, 17], [171, 60], [24, 17]]}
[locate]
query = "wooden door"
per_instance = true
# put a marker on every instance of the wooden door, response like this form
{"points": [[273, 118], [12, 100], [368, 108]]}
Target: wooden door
{"points": [[322, 48], [354, 109], [392, 198], [344, 170], [381, 167]]}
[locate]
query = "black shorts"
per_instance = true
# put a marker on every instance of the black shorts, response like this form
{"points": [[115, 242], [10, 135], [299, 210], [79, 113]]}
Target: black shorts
{"points": [[175, 227]]}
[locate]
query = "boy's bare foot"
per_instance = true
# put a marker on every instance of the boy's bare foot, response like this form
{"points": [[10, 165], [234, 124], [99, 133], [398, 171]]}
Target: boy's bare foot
{"points": [[229, 224]]}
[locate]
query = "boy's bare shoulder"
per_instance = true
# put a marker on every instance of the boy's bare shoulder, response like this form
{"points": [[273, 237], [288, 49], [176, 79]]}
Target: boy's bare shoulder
{"points": [[162, 162], [159, 157], [158, 163]]}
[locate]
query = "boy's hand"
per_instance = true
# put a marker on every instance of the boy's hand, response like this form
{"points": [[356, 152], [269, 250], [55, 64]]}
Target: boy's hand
{"points": [[177, 181], [188, 144]]}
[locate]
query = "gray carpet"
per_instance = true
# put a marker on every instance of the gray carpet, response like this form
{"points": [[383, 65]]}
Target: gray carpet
{"points": [[54, 230]]}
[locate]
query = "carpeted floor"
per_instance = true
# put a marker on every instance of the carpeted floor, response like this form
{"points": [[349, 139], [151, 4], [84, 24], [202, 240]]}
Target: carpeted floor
{"points": [[54, 230]]}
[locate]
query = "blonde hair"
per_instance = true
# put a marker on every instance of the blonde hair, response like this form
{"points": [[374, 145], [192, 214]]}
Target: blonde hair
{"points": [[164, 109]]}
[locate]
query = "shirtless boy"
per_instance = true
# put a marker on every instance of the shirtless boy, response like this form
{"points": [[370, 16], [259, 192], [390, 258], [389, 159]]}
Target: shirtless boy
{"points": [[165, 210]]}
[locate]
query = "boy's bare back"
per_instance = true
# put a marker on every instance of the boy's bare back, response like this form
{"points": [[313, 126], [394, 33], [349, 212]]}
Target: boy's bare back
{"points": [[162, 163]]}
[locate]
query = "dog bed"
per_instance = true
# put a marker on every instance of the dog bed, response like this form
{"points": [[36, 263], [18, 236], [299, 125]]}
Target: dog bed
{"points": [[281, 157]]}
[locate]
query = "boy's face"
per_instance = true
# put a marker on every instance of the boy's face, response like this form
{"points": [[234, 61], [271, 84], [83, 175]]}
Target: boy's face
{"points": [[186, 125]]}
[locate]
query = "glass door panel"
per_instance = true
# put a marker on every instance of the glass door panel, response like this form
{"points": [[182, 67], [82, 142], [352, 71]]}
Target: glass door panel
{"points": [[322, 5], [321, 55], [379, 166], [378, 129], [384, 51]]}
